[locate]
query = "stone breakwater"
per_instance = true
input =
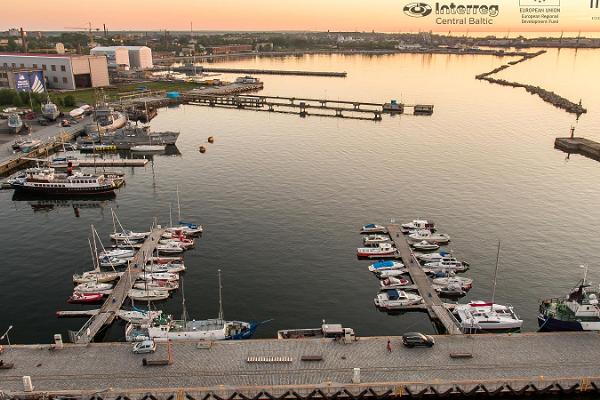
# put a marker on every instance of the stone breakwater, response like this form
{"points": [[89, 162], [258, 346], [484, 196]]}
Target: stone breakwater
{"points": [[546, 95]]}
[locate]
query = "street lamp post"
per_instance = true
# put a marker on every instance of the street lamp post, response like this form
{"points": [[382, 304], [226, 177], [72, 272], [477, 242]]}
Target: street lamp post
{"points": [[6, 335]]}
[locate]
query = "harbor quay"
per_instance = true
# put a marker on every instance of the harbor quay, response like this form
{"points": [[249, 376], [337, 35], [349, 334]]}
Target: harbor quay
{"points": [[516, 364]]}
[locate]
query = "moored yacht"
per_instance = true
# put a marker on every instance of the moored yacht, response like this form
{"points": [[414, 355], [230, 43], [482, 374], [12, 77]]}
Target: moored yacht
{"points": [[479, 316], [374, 240], [44, 181], [428, 236], [395, 299], [385, 265], [418, 224], [383, 249], [424, 245], [373, 228]]}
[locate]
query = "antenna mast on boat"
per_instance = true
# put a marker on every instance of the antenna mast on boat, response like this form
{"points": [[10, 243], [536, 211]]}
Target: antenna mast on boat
{"points": [[220, 298], [495, 277]]}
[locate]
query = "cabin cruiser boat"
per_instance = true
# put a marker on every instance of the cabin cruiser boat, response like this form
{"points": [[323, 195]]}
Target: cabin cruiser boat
{"points": [[383, 249], [50, 111], [450, 290], [425, 246], [465, 283], [577, 311], [93, 287], [373, 228], [156, 285], [395, 299], [432, 257], [96, 276], [489, 317], [374, 240], [46, 181], [390, 273], [118, 253], [447, 263], [327, 331], [148, 295], [385, 265], [418, 224], [428, 236], [393, 283]]}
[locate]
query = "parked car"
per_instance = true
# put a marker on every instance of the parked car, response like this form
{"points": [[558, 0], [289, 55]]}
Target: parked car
{"points": [[146, 346], [416, 339]]}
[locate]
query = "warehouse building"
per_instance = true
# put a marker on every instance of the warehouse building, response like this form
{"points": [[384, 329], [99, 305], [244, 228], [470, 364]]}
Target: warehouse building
{"points": [[135, 57], [60, 71]]}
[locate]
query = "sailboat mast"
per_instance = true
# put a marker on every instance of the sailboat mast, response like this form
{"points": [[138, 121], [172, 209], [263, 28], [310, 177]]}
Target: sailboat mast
{"points": [[220, 297], [92, 254], [178, 205], [95, 255], [184, 310], [170, 215], [495, 276], [112, 213]]}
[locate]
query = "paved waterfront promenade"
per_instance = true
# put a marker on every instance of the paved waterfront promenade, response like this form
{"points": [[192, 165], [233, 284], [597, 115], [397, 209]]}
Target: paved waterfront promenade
{"points": [[570, 359]]}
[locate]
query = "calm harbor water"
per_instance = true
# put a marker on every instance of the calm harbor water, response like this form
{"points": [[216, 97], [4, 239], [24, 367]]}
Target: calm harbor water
{"points": [[281, 198]]}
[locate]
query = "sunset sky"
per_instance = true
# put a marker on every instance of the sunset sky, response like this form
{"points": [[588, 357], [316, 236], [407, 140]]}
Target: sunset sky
{"points": [[321, 15]]}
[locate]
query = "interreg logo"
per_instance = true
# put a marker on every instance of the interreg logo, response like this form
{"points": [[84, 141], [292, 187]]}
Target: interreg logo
{"points": [[417, 10]]}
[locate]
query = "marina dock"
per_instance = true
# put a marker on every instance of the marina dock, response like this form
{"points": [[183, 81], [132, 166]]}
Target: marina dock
{"points": [[100, 162], [115, 300], [579, 145], [432, 302], [497, 365]]}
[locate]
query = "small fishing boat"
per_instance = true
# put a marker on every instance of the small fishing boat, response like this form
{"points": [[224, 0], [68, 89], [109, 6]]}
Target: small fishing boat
{"points": [[170, 248], [148, 295], [394, 299], [172, 268], [148, 148], [418, 224], [96, 276], [425, 246], [373, 240], [94, 287], [385, 265], [393, 283], [428, 236], [373, 228], [391, 273], [156, 285], [127, 235], [383, 249], [85, 298], [159, 276], [118, 253]]}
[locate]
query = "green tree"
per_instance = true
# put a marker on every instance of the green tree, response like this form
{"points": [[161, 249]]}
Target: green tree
{"points": [[69, 100]]}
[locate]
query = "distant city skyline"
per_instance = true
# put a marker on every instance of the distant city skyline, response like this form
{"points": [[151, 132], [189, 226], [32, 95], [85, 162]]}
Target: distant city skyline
{"points": [[270, 15]]}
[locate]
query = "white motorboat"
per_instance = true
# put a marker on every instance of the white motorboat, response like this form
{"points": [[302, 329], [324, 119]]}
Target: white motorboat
{"points": [[93, 287], [425, 246], [96, 276], [451, 289], [465, 283], [374, 240], [138, 316], [383, 249], [172, 268], [432, 257], [118, 253], [159, 276], [112, 261], [184, 243], [148, 295], [418, 224], [385, 265], [428, 236], [481, 316], [391, 273], [156, 285], [170, 248], [447, 263], [373, 228], [127, 235], [393, 283], [394, 299]]}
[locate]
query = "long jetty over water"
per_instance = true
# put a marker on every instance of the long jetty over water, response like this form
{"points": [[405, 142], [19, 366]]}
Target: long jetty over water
{"points": [[255, 71], [115, 300], [305, 369], [432, 302]]}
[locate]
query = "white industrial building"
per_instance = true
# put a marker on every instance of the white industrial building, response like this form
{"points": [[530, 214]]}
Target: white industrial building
{"points": [[116, 56], [61, 71], [138, 57]]}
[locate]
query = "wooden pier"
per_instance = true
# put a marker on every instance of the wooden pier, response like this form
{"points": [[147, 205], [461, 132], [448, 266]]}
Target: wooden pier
{"points": [[115, 300], [434, 305], [502, 365], [304, 106]]}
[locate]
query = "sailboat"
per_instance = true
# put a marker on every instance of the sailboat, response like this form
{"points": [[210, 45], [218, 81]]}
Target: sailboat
{"points": [[186, 228], [480, 316], [163, 329], [97, 275]]}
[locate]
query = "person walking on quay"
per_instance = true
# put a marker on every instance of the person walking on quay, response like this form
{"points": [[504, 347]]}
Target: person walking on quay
{"points": [[389, 346]]}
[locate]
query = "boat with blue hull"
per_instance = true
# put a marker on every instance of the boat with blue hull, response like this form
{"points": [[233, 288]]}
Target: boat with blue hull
{"points": [[578, 311]]}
